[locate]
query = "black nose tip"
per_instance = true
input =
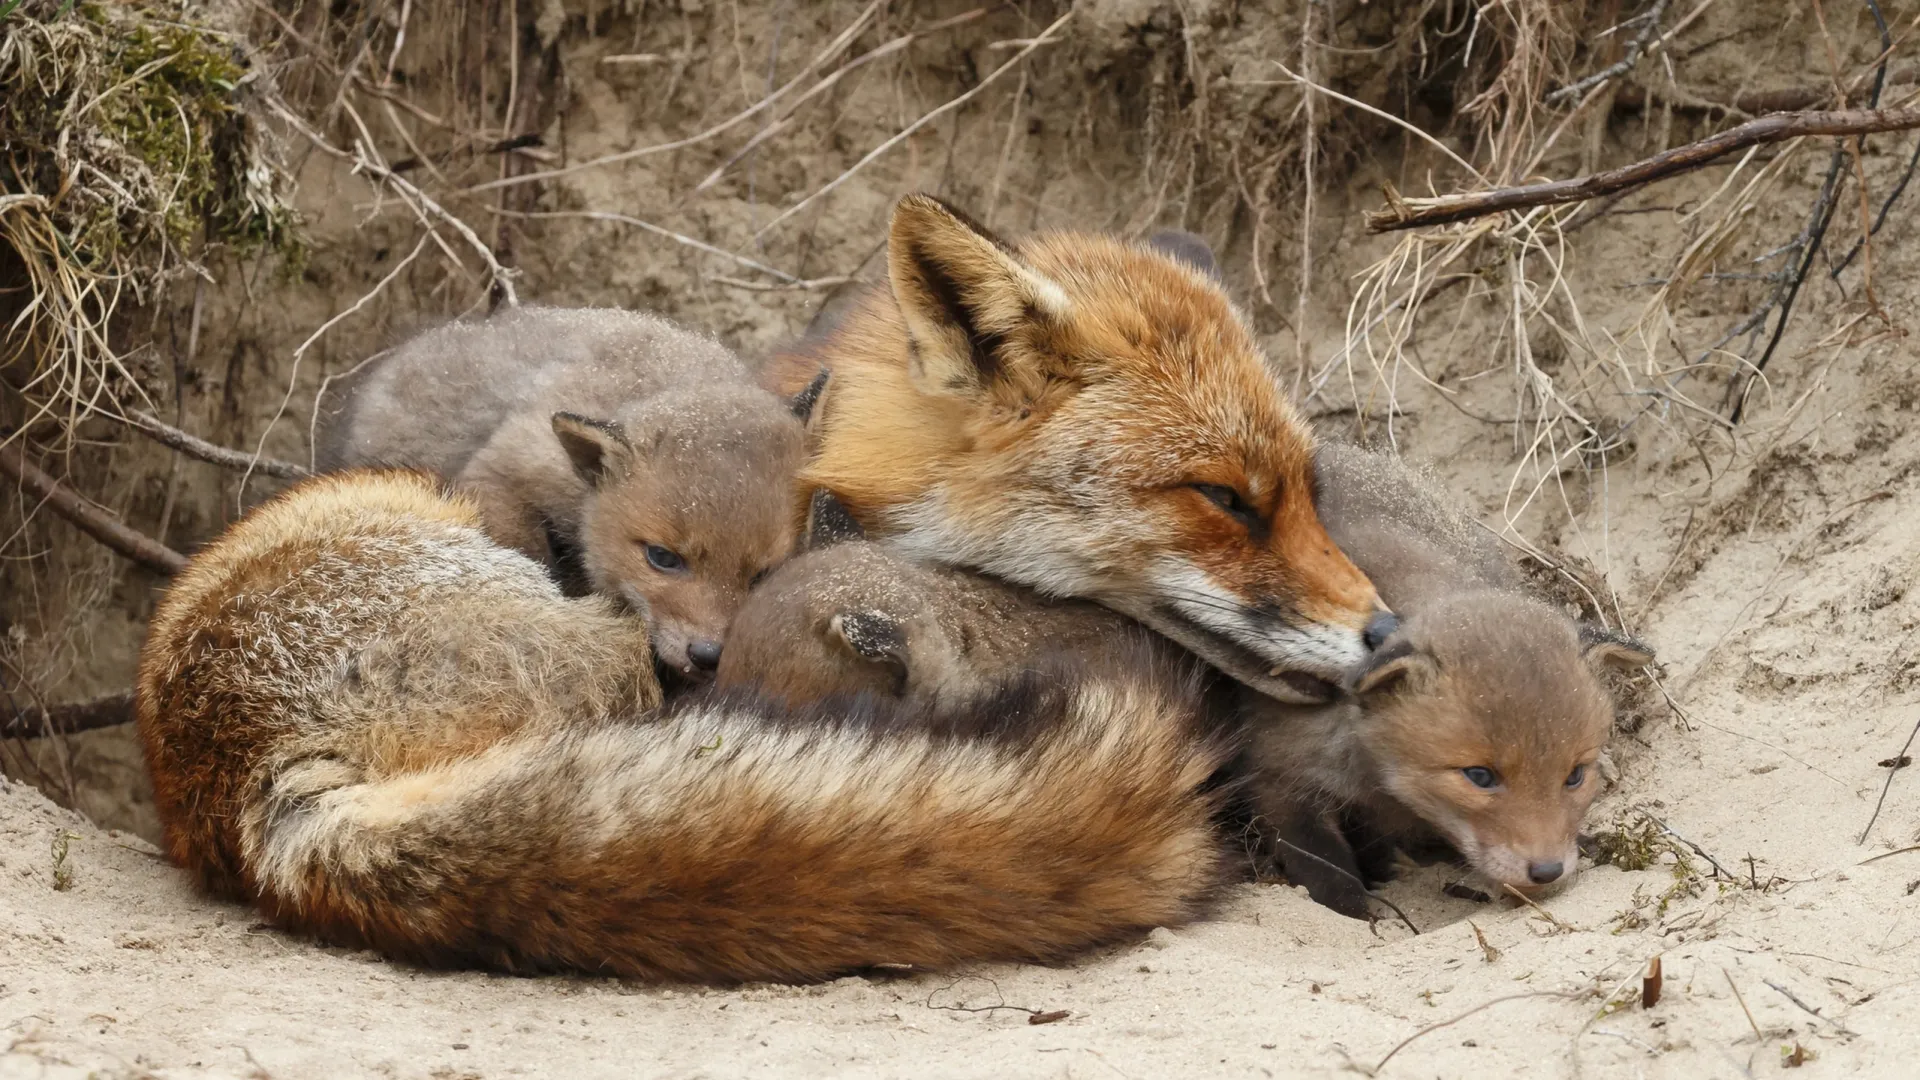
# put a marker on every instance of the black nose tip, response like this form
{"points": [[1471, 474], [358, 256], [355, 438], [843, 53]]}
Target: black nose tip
{"points": [[704, 655], [1542, 873], [1379, 629]]}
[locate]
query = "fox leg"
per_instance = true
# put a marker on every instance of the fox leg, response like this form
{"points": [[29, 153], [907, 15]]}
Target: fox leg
{"points": [[1314, 852]]}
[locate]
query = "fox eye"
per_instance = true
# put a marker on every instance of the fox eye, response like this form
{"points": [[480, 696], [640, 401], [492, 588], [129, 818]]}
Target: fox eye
{"points": [[665, 560], [1231, 501], [1577, 776], [1481, 777]]}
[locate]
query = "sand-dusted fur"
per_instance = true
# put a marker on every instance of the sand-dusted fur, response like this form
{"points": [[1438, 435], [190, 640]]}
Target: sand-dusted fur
{"points": [[387, 730], [1477, 721], [853, 616], [639, 449], [1089, 418]]}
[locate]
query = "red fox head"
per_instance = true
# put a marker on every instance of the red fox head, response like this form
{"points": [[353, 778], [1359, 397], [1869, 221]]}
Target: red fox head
{"points": [[687, 507], [1485, 717], [1090, 418]]}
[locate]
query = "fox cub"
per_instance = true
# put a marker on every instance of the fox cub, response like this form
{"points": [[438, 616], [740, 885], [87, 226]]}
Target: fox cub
{"points": [[1088, 418], [852, 616], [386, 730], [1475, 724], [635, 458]]}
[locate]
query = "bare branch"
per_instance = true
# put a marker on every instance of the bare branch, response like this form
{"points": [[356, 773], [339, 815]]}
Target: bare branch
{"points": [[1403, 213], [67, 719], [195, 447], [89, 518]]}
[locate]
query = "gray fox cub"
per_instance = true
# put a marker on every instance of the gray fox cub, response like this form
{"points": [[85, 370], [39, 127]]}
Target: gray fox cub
{"points": [[634, 457]]}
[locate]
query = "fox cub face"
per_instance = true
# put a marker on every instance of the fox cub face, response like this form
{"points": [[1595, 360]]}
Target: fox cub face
{"points": [[688, 505], [1090, 418], [1486, 716]]}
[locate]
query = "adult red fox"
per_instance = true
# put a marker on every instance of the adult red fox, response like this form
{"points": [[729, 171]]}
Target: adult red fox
{"points": [[1092, 419], [387, 730]]}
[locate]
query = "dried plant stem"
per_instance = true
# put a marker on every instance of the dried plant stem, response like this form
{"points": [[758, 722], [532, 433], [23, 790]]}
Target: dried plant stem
{"points": [[1446, 209], [89, 518], [1046, 38], [195, 447], [67, 719]]}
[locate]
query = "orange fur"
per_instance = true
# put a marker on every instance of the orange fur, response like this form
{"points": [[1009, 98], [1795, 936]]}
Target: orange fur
{"points": [[387, 730], [1057, 413]]}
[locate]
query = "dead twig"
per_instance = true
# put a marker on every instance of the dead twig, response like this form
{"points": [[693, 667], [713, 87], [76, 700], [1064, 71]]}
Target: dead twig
{"points": [[1482, 1007], [195, 447], [1893, 769], [1411, 213], [89, 518], [1046, 38], [1635, 50], [67, 719]]}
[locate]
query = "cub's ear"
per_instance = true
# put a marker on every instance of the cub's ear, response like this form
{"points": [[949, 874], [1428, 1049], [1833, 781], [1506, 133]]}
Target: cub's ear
{"points": [[1601, 647], [961, 292], [598, 449], [1188, 248], [871, 635], [1398, 666], [829, 522], [803, 402]]}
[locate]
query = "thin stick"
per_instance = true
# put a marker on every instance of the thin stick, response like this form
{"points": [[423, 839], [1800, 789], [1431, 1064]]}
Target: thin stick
{"points": [[1045, 38], [1346, 873], [89, 518], [1538, 910], [1483, 1006], [1413, 213], [67, 719], [1889, 854], [1743, 1005], [657, 230], [1635, 50], [832, 49], [1892, 771], [195, 447]]}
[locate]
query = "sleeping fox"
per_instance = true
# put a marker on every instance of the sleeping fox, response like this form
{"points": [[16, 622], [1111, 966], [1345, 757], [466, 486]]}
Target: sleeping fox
{"points": [[1089, 418], [636, 458]]}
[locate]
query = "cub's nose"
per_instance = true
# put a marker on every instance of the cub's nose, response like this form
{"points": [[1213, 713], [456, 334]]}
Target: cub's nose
{"points": [[1544, 873], [1379, 629], [703, 654]]}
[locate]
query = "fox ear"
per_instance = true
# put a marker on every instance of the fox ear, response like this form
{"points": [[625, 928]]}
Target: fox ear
{"points": [[803, 402], [1397, 666], [871, 635], [1187, 248], [597, 448], [1601, 647], [961, 292], [829, 522]]}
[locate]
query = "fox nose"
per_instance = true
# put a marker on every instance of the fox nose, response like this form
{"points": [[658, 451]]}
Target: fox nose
{"points": [[705, 655], [1379, 629], [1544, 873]]}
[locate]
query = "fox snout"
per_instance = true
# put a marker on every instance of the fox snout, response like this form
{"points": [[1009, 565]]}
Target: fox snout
{"points": [[1529, 868], [690, 644]]}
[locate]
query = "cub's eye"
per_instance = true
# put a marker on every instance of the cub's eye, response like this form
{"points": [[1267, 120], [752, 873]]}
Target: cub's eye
{"points": [[1481, 777], [754, 581], [664, 560], [1577, 776], [1231, 501]]}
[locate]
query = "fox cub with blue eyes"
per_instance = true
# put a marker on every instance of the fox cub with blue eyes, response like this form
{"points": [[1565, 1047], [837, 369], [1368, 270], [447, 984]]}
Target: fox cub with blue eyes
{"points": [[1475, 724], [636, 459]]}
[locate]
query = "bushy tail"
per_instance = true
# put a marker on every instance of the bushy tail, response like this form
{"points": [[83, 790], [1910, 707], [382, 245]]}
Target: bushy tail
{"points": [[716, 844]]}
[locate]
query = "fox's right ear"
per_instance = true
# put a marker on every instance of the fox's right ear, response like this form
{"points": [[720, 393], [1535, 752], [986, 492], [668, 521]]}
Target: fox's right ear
{"points": [[1398, 666], [829, 522], [961, 292], [597, 448], [803, 403], [871, 635], [1602, 647]]}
